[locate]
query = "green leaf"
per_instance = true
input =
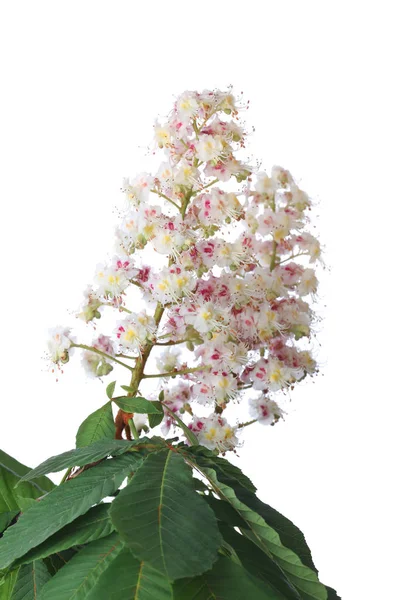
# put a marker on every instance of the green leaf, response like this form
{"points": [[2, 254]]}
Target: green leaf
{"points": [[110, 389], [57, 561], [258, 563], [290, 535], [7, 583], [97, 426], [61, 506], [225, 581], [332, 594], [136, 405], [189, 434], [91, 526], [302, 577], [156, 419], [6, 518], [127, 578], [227, 472], [225, 512], [81, 573], [11, 472], [80, 457], [128, 388], [31, 578], [160, 516]]}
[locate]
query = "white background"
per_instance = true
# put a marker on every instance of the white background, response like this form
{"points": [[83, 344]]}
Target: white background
{"points": [[81, 85]]}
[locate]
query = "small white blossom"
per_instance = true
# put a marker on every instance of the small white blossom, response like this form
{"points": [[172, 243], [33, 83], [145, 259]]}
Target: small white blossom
{"points": [[209, 147], [59, 344]]}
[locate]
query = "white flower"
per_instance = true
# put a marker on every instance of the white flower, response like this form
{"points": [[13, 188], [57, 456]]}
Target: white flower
{"points": [[162, 135], [134, 331], [209, 147], [308, 283], [168, 360], [59, 344], [171, 284], [111, 280], [215, 432], [187, 175], [264, 409], [138, 189], [207, 317], [95, 364], [186, 106], [265, 185]]}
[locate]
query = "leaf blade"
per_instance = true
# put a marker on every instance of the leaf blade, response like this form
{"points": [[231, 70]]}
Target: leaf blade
{"points": [[64, 504], [161, 526], [127, 578], [79, 457], [301, 576], [91, 526], [11, 473], [31, 579], [136, 405], [97, 426], [81, 573], [225, 581]]}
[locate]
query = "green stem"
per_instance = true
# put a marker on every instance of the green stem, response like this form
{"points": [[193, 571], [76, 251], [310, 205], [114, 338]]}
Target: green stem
{"points": [[100, 353], [175, 373], [121, 308], [206, 186], [170, 343], [189, 434], [165, 198], [272, 263], [133, 429], [247, 423], [66, 475], [293, 256]]}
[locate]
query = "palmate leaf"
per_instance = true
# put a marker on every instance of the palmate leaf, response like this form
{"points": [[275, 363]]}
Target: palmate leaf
{"points": [[227, 472], [80, 456], [7, 583], [6, 518], [301, 576], [57, 561], [332, 594], [31, 578], [61, 506], [256, 562], [160, 516], [97, 426], [130, 579], [290, 535], [137, 405], [156, 419], [91, 526], [225, 581], [11, 472], [81, 573]]}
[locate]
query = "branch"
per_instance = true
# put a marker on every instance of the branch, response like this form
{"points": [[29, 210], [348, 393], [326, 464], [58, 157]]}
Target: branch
{"points": [[100, 353], [174, 373], [165, 198]]}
